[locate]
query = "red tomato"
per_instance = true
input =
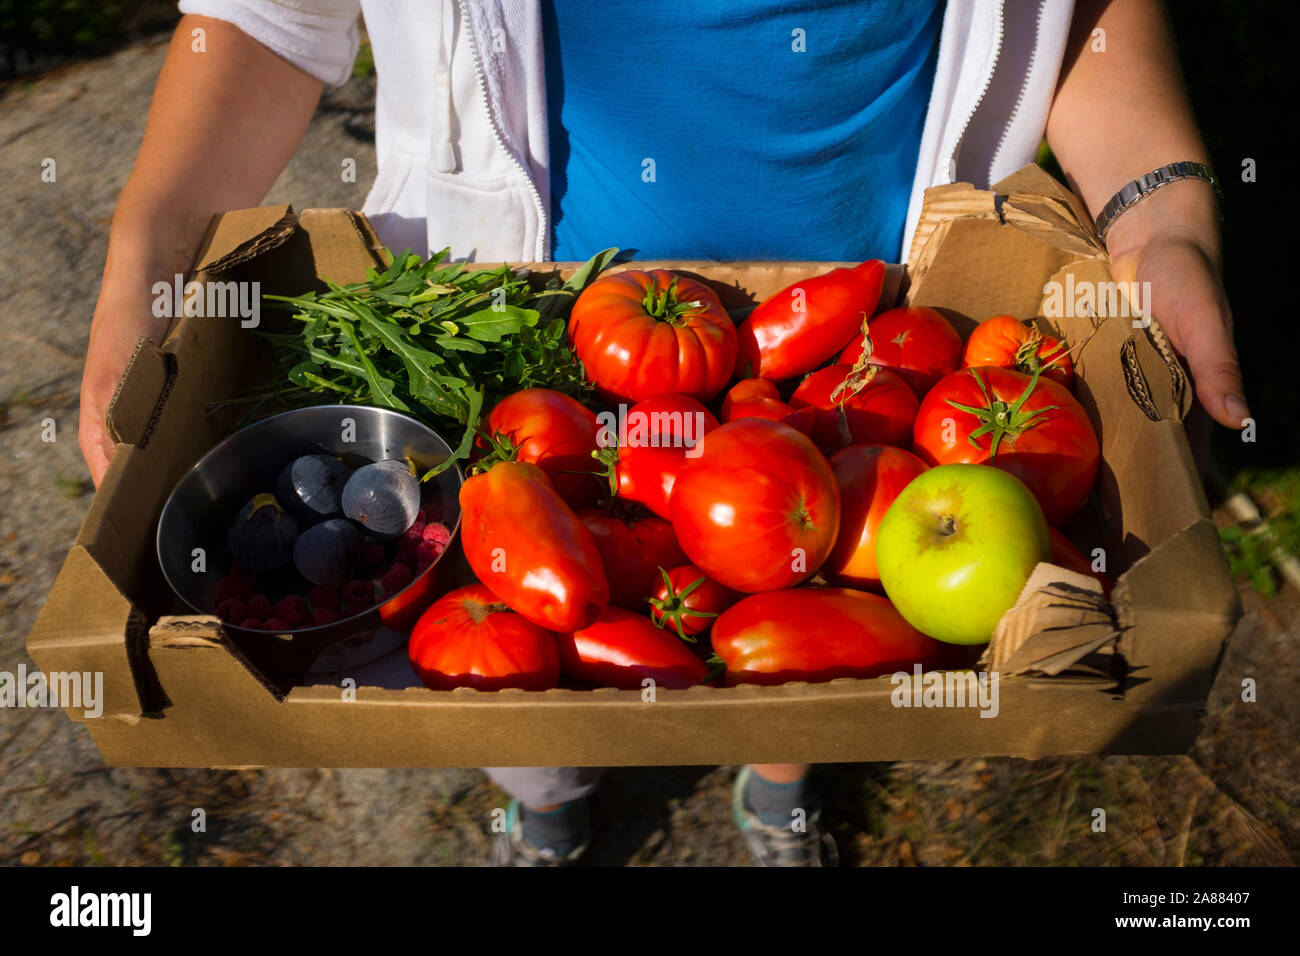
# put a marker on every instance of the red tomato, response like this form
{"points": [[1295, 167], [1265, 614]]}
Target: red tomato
{"points": [[1030, 427], [773, 409], [818, 634], [804, 324], [759, 509], [687, 600], [655, 439], [1007, 342], [641, 334], [881, 412], [526, 545], [469, 638], [1068, 556], [633, 550], [622, 649], [917, 343], [745, 390], [555, 432], [870, 478], [802, 420]]}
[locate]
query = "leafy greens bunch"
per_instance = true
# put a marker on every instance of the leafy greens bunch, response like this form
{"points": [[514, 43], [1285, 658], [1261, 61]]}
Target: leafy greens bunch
{"points": [[435, 340]]}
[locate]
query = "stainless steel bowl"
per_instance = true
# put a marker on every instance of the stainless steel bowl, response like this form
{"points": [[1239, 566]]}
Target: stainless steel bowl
{"points": [[205, 501]]}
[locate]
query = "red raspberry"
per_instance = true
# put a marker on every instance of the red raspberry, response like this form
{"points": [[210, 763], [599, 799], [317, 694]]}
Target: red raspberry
{"points": [[397, 577], [427, 553], [232, 609], [372, 553], [422, 516], [251, 624], [325, 615], [408, 552], [351, 609], [422, 567], [292, 621], [259, 605], [324, 597], [291, 607], [437, 534], [415, 531], [359, 591], [275, 624], [232, 587]]}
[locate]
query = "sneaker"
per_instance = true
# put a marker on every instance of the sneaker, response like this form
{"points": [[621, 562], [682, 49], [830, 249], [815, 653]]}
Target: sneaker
{"points": [[771, 845], [513, 848]]}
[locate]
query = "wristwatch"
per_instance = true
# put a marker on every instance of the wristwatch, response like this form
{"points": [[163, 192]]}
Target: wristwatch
{"points": [[1145, 185]]}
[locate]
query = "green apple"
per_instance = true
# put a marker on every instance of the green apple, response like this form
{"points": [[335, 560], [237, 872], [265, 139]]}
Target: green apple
{"points": [[956, 547]]}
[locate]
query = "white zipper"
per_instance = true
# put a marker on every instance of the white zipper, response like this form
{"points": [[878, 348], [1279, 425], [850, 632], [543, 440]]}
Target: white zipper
{"points": [[542, 238], [951, 164]]}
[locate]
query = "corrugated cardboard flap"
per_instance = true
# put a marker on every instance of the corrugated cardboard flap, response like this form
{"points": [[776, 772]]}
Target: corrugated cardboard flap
{"points": [[140, 393], [1186, 578], [241, 235], [1059, 618]]}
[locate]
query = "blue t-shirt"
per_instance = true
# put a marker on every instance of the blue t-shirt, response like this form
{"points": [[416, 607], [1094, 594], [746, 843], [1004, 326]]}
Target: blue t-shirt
{"points": [[745, 130]]}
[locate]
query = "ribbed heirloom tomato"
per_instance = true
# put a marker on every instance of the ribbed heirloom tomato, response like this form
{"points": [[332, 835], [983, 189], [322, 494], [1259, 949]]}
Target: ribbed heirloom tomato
{"points": [[1026, 425], [916, 343], [529, 548], [641, 334], [470, 638], [759, 509], [1007, 342], [555, 432]]}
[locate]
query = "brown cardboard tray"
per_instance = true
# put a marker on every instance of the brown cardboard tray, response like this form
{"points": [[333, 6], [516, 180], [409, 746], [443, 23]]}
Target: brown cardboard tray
{"points": [[1076, 674]]}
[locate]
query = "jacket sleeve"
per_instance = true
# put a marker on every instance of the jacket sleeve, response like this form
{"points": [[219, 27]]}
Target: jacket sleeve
{"points": [[320, 38]]}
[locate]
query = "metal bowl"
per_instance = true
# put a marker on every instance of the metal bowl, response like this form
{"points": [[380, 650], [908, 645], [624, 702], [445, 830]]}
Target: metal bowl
{"points": [[207, 498]]}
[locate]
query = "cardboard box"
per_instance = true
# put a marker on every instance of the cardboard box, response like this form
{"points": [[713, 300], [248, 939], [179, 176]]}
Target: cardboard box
{"points": [[1076, 674]]}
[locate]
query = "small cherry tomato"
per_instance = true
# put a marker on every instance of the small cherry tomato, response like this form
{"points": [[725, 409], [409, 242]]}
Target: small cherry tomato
{"points": [[1006, 342], [687, 600]]}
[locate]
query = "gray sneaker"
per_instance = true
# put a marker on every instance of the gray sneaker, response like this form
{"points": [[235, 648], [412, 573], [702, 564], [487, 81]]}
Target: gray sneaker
{"points": [[512, 848], [783, 845]]}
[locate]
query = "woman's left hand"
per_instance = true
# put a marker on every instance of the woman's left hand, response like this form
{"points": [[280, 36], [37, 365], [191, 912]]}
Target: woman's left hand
{"points": [[1170, 239]]}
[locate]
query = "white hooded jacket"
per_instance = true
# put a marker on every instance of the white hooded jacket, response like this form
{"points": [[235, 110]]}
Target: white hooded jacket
{"points": [[461, 123]]}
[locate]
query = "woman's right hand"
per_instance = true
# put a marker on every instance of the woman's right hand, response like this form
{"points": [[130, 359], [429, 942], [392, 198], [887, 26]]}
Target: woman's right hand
{"points": [[123, 313], [224, 121]]}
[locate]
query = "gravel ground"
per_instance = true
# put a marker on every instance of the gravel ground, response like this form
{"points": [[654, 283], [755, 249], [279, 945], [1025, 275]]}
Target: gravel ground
{"points": [[1231, 801]]}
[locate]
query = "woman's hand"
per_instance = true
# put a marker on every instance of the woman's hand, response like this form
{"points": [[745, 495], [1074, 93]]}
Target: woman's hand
{"points": [[123, 313], [1170, 239], [223, 123], [1121, 111]]}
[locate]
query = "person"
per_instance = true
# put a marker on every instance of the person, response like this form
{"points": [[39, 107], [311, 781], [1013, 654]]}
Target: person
{"points": [[750, 129]]}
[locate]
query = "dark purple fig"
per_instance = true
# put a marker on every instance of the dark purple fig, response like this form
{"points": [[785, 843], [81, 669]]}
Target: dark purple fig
{"points": [[326, 553], [311, 487], [263, 534], [383, 498]]}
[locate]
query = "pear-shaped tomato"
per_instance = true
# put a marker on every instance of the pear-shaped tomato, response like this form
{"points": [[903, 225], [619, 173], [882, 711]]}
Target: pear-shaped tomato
{"points": [[529, 548]]}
